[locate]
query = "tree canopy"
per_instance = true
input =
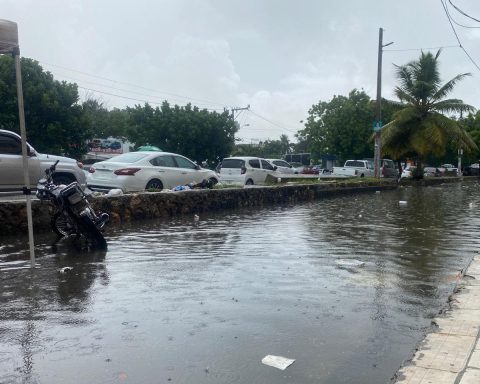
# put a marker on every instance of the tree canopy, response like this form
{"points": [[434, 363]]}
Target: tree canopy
{"points": [[55, 121], [341, 127], [420, 127]]}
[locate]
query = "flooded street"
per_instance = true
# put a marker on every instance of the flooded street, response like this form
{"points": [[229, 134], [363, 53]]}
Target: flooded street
{"points": [[347, 286]]}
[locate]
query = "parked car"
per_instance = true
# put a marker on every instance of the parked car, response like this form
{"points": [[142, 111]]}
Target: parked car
{"points": [[431, 172], [407, 172], [139, 171], [310, 171], [11, 165], [282, 166], [388, 168], [472, 170], [358, 168], [298, 167], [448, 169], [245, 170]]}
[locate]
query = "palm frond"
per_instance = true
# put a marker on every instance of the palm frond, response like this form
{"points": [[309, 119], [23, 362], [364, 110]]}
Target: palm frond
{"points": [[452, 105], [448, 86]]}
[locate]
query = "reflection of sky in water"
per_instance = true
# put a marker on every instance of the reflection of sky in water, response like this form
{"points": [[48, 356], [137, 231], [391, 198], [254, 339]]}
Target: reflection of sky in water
{"points": [[204, 302]]}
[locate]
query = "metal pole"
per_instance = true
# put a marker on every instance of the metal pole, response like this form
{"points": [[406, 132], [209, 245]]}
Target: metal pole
{"points": [[378, 122], [26, 176], [459, 168]]}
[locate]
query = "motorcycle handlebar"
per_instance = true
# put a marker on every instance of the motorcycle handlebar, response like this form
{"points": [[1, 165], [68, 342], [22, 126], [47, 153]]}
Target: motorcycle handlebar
{"points": [[52, 168]]}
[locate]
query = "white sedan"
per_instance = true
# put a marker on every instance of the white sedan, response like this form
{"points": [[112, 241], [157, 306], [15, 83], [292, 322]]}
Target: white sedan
{"points": [[144, 170]]}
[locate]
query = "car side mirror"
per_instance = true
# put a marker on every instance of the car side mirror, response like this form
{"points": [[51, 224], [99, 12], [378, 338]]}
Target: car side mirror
{"points": [[30, 151], [197, 167], [275, 167]]}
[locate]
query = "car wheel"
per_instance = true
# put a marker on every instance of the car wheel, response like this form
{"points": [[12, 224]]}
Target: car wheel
{"points": [[362, 175], [154, 184], [249, 182], [63, 179]]}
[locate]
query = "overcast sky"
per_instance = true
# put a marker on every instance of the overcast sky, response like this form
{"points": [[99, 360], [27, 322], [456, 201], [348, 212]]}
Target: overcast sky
{"points": [[278, 56]]}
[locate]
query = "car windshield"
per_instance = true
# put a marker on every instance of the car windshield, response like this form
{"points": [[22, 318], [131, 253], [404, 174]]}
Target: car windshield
{"points": [[131, 157]]}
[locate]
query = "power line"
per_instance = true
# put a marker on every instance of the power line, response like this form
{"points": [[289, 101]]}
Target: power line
{"points": [[120, 89], [134, 99], [455, 33], [130, 84], [421, 49], [272, 122], [463, 13]]}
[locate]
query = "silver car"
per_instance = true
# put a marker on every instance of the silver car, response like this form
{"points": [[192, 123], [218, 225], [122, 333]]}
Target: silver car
{"points": [[283, 166], [11, 165]]}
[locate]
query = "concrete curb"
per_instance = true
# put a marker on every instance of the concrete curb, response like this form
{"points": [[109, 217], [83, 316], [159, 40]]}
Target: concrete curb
{"points": [[451, 354]]}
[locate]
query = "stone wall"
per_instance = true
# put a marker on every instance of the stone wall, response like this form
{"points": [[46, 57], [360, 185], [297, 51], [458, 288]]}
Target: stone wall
{"points": [[125, 208]]}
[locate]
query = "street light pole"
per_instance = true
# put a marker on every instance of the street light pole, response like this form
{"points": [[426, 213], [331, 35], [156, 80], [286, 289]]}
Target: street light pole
{"points": [[377, 126]]}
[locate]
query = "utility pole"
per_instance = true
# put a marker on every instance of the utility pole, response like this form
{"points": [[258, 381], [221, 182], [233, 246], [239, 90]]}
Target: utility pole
{"points": [[377, 125], [239, 109]]}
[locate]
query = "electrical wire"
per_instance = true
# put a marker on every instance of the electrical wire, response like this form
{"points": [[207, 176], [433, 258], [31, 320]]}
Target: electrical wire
{"points": [[463, 13], [131, 84], [456, 35], [134, 99], [420, 49], [272, 122], [125, 90]]}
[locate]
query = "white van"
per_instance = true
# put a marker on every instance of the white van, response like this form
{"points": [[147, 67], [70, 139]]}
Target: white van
{"points": [[245, 170]]}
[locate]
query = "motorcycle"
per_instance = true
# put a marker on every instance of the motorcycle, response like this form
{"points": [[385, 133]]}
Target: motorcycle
{"points": [[73, 214]]}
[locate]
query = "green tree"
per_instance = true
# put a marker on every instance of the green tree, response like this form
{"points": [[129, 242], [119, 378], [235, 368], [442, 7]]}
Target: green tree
{"points": [[420, 128], [341, 127], [198, 134], [54, 120]]}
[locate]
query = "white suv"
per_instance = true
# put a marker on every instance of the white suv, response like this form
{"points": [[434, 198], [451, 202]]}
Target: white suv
{"points": [[245, 170], [11, 165]]}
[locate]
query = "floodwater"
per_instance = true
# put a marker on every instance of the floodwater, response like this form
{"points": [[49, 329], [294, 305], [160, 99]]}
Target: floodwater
{"points": [[347, 286]]}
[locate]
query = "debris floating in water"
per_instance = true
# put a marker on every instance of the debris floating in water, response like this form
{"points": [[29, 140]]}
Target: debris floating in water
{"points": [[196, 217], [377, 191], [65, 269], [349, 263], [402, 202], [279, 362]]}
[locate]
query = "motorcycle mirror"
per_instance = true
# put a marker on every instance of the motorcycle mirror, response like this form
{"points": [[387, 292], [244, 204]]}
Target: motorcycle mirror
{"points": [[42, 181]]}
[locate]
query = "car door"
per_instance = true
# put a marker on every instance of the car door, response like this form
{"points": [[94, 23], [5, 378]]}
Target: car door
{"points": [[11, 163], [256, 172], [188, 171], [165, 169], [267, 168]]}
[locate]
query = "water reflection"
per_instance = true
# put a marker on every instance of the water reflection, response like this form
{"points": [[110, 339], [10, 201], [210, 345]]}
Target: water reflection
{"points": [[203, 301]]}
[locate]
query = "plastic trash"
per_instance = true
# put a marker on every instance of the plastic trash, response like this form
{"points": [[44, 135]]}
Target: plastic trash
{"points": [[402, 202], [65, 269], [196, 217], [115, 192], [279, 362], [181, 188]]}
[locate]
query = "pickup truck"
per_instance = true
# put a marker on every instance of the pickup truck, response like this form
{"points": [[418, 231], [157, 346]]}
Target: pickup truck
{"points": [[355, 168], [11, 165]]}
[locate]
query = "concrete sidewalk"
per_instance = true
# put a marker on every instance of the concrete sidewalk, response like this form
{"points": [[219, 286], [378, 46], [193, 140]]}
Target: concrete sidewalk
{"points": [[451, 355]]}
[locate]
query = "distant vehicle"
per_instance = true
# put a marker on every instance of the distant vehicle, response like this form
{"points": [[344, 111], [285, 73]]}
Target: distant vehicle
{"points": [[298, 167], [355, 168], [116, 145], [105, 144], [245, 170], [431, 172], [11, 165], [282, 166], [472, 170], [310, 171], [388, 168], [139, 171], [407, 172], [448, 169]]}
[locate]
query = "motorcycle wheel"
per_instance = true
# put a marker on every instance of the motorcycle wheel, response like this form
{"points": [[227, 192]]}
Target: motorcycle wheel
{"points": [[91, 233], [61, 225]]}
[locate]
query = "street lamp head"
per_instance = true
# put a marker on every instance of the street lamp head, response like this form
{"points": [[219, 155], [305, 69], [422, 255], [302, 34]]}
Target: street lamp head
{"points": [[8, 36]]}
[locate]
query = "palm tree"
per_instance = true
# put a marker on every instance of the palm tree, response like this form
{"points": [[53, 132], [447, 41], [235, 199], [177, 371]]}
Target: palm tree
{"points": [[420, 128]]}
